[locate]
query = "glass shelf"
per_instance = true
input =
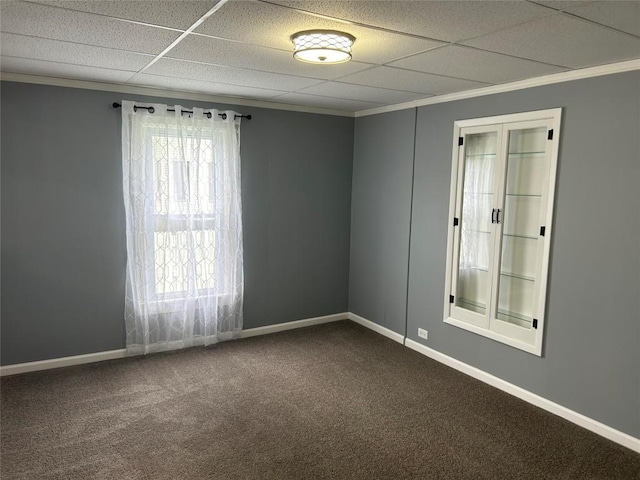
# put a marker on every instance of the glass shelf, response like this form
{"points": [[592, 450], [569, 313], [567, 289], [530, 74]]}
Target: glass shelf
{"points": [[480, 308], [518, 276], [504, 274], [476, 155], [524, 195], [471, 305], [521, 154], [514, 315], [472, 302], [513, 235], [501, 311], [478, 268]]}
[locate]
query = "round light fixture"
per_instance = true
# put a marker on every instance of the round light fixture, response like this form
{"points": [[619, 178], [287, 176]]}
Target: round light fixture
{"points": [[322, 46]]}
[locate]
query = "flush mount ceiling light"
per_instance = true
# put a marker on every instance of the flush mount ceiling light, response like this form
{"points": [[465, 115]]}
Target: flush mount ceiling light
{"points": [[322, 46]]}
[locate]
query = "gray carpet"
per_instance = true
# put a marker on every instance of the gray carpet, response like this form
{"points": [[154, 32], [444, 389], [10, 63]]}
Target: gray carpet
{"points": [[331, 401]]}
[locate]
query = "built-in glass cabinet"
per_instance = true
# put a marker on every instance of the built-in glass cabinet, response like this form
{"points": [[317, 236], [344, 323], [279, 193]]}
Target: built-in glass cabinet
{"points": [[502, 188]]}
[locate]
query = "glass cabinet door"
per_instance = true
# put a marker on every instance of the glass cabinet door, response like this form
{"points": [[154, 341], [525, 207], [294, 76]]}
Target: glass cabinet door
{"points": [[476, 240], [520, 218], [502, 189]]}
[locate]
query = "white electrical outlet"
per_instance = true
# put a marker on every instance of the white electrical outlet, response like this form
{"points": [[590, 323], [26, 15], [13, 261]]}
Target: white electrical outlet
{"points": [[422, 333]]}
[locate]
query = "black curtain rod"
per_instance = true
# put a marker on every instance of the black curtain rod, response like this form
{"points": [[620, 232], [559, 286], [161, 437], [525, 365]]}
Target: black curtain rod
{"points": [[208, 114]]}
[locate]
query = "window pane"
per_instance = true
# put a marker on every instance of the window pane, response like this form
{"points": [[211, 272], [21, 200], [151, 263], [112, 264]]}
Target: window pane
{"points": [[171, 255], [205, 252], [186, 181], [178, 185]]}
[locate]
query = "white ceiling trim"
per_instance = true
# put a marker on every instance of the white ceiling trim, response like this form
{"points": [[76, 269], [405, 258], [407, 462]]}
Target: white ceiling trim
{"points": [[160, 92], [510, 87]]}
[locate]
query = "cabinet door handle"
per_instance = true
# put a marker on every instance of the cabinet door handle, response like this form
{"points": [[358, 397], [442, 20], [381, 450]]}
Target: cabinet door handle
{"points": [[493, 215], [498, 216]]}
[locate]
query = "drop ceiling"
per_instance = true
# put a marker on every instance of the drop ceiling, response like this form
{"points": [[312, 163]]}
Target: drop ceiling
{"points": [[404, 50]]}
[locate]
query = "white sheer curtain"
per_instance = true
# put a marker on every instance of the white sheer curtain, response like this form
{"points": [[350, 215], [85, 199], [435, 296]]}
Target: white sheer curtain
{"points": [[184, 227], [476, 210]]}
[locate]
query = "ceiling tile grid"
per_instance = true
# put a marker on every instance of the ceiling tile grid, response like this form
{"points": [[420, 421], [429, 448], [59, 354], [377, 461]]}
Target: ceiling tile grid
{"points": [[35, 48], [404, 50], [410, 81], [229, 75], [448, 21], [624, 17], [173, 14], [362, 93], [245, 20], [562, 40], [325, 102], [560, 4], [203, 49], [200, 86], [63, 70], [475, 64], [67, 25]]}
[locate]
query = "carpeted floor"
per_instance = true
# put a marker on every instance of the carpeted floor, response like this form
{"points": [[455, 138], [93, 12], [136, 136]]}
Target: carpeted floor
{"points": [[331, 401]]}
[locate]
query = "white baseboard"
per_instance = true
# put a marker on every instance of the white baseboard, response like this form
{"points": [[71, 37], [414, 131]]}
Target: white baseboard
{"points": [[281, 327], [376, 328], [574, 417], [61, 362], [113, 354]]}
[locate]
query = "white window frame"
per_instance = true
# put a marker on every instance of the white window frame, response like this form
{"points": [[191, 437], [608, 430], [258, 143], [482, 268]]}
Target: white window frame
{"points": [[488, 325]]}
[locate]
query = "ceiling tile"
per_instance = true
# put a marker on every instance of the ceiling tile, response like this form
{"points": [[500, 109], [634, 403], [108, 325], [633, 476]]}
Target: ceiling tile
{"points": [[361, 93], [623, 16], [473, 64], [235, 76], [198, 48], [62, 70], [245, 21], [211, 88], [325, 102], [167, 13], [443, 20], [394, 78], [562, 40], [73, 53], [60, 24]]}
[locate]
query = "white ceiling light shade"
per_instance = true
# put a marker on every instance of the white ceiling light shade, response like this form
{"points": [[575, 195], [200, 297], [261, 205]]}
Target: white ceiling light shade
{"points": [[322, 46]]}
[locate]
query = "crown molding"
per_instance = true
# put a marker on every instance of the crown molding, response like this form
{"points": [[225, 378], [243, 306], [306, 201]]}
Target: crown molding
{"points": [[510, 87], [160, 92]]}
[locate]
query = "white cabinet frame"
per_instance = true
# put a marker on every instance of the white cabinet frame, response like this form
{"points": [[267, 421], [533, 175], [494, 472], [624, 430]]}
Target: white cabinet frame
{"points": [[484, 321]]}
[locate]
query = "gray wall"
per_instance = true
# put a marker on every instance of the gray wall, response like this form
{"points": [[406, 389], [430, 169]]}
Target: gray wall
{"points": [[63, 237], [63, 251], [591, 357], [380, 215]]}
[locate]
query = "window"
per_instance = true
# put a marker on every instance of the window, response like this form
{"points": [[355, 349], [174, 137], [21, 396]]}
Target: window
{"points": [[502, 188], [185, 184], [184, 227]]}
